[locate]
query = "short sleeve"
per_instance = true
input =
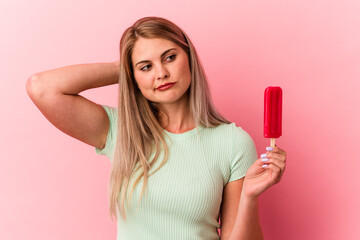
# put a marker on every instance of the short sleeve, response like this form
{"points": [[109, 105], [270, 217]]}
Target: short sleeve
{"points": [[109, 148], [243, 153]]}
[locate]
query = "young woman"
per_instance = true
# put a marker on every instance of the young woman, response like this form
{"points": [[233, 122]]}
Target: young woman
{"points": [[165, 139]]}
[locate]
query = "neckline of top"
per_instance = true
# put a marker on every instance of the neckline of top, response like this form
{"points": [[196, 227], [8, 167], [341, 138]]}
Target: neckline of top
{"points": [[184, 134]]}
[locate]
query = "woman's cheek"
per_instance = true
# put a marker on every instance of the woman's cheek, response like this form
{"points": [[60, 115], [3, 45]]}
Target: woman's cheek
{"points": [[146, 84]]}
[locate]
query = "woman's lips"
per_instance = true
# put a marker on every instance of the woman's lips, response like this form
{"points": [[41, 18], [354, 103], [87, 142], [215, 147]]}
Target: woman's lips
{"points": [[165, 87]]}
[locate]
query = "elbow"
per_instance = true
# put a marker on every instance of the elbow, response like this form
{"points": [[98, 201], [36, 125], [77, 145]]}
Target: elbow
{"points": [[30, 84], [33, 86]]}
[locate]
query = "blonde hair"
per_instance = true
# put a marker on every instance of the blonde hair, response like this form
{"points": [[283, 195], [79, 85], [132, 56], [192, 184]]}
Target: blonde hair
{"points": [[139, 131]]}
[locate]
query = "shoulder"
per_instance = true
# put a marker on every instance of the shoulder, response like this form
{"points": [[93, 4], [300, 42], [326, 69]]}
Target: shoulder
{"points": [[233, 131], [222, 129], [109, 148], [243, 146], [241, 136], [229, 131], [243, 153], [111, 111]]}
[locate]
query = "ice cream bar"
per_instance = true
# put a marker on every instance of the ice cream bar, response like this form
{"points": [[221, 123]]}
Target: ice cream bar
{"points": [[272, 113]]}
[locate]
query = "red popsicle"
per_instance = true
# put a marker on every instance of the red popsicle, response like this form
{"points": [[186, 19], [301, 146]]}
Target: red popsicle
{"points": [[272, 113]]}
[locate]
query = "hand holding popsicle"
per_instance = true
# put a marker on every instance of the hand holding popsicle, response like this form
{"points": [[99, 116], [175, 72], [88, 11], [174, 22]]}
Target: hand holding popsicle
{"points": [[269, 168], [265, 172]]}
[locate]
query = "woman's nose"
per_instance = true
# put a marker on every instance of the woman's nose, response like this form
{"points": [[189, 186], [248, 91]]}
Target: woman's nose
{"points": [[162, 72]]}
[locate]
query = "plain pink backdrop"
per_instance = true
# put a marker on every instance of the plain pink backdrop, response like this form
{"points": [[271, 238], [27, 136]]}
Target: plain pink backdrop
{"points": [[55, 187]]}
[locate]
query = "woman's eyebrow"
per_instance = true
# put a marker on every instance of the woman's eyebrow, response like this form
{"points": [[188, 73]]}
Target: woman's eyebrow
{"points": [[160, 56]]}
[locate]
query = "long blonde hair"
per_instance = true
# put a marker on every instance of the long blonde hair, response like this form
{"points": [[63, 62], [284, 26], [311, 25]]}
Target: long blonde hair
{"points": [[139, 131]]}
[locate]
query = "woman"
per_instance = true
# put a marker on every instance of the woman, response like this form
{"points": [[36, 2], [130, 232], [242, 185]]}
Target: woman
{"points": [[165, 139]]}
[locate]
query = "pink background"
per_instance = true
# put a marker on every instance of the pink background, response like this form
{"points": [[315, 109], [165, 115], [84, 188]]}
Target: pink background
{"points": [[55, 187]]}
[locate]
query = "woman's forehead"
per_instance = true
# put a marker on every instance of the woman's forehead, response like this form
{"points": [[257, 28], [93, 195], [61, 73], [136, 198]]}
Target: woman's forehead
{"points": [[148, 48]]}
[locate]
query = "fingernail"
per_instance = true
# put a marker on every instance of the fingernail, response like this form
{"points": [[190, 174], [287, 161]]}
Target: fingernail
{"points": [[264, 159], [269, 148], [263, 155], [264, 166]]}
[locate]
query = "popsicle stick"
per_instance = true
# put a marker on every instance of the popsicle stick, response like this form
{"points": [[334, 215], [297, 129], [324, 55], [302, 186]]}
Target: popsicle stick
{"points": [[272, 142]]}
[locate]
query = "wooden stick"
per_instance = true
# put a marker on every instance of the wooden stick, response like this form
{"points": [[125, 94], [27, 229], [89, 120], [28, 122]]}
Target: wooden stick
{"points": [[272, 142]]}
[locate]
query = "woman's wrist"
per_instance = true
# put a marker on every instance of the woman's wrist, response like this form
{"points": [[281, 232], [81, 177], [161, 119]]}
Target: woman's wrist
{"points": [[248, 197]]}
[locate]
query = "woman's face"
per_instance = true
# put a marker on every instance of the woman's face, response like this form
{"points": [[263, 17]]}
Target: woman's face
{"points": [[158, 61]]}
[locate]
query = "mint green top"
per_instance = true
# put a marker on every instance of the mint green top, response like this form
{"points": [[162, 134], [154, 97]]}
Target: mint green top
{"points": [[184, 197]]}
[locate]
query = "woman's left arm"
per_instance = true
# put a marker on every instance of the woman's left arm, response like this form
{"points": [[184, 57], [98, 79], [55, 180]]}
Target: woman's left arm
{"points": [[265, 172]]}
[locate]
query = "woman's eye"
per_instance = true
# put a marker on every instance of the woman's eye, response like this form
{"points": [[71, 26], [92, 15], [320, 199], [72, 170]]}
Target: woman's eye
{"points": [[144, 68], [172, 56]]}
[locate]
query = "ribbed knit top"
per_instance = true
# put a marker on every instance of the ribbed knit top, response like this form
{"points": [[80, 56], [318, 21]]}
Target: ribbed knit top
{"points": [[184, 197]]}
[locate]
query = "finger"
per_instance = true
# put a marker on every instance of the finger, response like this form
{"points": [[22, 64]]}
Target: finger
{"points": [[276, 172], [273, 155], [276, 162], [276, 149], [276, 155], [259, 162]]}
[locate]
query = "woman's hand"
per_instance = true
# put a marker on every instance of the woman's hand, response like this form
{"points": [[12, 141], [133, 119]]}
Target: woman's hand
{"points": [[263, 174]]}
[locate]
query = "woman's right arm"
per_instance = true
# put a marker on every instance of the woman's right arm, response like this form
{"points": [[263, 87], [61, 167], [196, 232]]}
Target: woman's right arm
{"points": [[56, 94]]}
